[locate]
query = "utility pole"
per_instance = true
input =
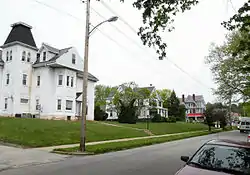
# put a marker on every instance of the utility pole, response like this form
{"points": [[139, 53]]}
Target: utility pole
{"points": [[85, 80]]}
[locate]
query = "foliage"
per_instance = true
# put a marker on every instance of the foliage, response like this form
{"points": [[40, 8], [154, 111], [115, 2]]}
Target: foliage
{"points": [[171, 119], [157, 118], [142, 94], [127, 113], [231, 82], [100, 115], [182, 113], [101, 94], [173, 105], [164, 95], [245, 109]]}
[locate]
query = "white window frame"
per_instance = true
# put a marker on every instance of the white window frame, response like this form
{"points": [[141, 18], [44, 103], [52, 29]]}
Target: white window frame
{"points": [[23, 56], [7, 56], [44, 56], [28, 57], [67, 104], [73, 58], [37, 104], [10, 55], [60, 80], [67, 81], [5, 103], [59, 106], [7, 79], [24, 79], [72, 82], [38, 81], [24, 100]]}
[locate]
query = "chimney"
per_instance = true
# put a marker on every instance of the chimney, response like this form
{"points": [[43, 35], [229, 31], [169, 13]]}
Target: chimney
{"points": [[194, 97], [151, 85], [183, 98]]}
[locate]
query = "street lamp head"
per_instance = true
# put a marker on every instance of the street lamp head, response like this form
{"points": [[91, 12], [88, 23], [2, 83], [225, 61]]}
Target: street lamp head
{"points": [[113, 19]]}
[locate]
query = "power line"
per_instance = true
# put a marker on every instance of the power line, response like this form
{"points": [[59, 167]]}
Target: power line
{"points": [[178, 67], [232, 6], [78, 19], [120, 31]]}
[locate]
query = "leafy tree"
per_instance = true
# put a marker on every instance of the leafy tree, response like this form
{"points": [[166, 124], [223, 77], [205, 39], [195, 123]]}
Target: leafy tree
{"points": [[182, 113], [127, 112], [164, 94], [173, 105], [101, 94], [141, 95], [226, 69]]}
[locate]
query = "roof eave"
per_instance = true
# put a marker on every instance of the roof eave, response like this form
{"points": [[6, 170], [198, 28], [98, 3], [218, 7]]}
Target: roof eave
{"points": [[20, 43]]}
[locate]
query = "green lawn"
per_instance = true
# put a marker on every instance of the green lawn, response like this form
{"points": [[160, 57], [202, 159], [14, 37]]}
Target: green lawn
{"points": [[37, 133], [116, 146], [167, 128]]}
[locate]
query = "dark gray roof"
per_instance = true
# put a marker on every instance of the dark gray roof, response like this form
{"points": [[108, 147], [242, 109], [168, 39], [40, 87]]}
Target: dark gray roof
{"points": [[60, 53], [189, 98], [78, 94], [1, 60], [90, 76], [51, 49], [21, 32]]}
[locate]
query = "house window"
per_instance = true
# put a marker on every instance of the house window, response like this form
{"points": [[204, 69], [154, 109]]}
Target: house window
{"points": [[23, 56], [24, 79], [24, 100], [69, 105], [59, 104], [7, 56], [5, 103], [72, 81], [60, 80], [28, 57], [7, 79], [67, 83], [10, 55], [37, 104], [38, 81], [38, 57], [44, 56], [111, 113], [73, 59]]}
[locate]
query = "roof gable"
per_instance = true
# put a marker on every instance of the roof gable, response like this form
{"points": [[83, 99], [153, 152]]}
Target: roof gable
{"points": [[21, 32]]}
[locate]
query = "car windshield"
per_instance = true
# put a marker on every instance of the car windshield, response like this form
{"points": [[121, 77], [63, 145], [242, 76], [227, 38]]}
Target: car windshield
{"points": [[227, 159]]}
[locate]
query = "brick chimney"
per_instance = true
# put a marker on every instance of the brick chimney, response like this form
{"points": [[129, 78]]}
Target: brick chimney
{"points": [[194, 97], [183, 98]]}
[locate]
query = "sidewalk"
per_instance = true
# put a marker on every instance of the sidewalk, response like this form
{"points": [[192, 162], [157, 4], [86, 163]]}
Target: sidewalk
{"points": [[49, 149]]}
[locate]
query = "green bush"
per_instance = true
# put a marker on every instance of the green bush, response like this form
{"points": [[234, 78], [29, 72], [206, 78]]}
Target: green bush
{"points": [[171, 119], [127, 113], [100, 115], [157, 118]]}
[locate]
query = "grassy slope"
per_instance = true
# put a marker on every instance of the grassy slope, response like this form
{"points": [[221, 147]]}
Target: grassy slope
{"points": [[37, 133], [167, 128]]}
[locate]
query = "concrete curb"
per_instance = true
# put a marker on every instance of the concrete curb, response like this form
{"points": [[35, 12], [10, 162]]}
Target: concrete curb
{"points": [[73, 153]]}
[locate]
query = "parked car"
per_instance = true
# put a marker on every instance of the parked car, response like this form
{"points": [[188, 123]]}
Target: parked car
{"points": [[244, 124], [218, 157]]}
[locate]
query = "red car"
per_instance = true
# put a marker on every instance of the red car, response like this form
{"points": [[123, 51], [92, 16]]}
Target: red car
{"points": [[218, 157]]}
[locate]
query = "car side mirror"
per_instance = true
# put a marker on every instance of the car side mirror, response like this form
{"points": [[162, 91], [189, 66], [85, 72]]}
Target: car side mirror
{"points": [[184, 158]]}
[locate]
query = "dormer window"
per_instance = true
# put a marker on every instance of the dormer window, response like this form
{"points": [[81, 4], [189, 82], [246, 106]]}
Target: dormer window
{"points": [[7, 56], [24, 56], [28, 57], [10, 55], [73, 58], [38, 57], [44, 56]]}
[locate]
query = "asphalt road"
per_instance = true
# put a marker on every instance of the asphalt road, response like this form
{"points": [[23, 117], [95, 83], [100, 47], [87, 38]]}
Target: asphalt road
{"points": [[157, 159]]}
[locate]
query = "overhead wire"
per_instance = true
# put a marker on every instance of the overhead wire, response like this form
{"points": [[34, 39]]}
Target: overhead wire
{"points": [[132, 29]]}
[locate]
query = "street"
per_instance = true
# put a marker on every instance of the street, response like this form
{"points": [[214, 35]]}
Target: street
{"points": [[157, 159]]}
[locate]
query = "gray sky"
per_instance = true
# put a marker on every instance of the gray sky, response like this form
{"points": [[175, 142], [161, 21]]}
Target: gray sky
{"points": [[129, 60]]}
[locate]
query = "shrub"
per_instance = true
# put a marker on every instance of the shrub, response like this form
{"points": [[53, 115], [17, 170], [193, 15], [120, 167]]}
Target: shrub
{"points": [[100, 115], [157, 118], [171, 119], [127, 113]]}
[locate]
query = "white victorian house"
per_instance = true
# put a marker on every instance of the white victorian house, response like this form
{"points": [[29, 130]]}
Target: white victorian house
{"points": [[144, 113], [44, 83]]}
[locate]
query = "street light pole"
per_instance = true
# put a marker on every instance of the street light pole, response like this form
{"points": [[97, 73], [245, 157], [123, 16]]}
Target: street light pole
{"points": [[85, 74], [85, 80]]}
